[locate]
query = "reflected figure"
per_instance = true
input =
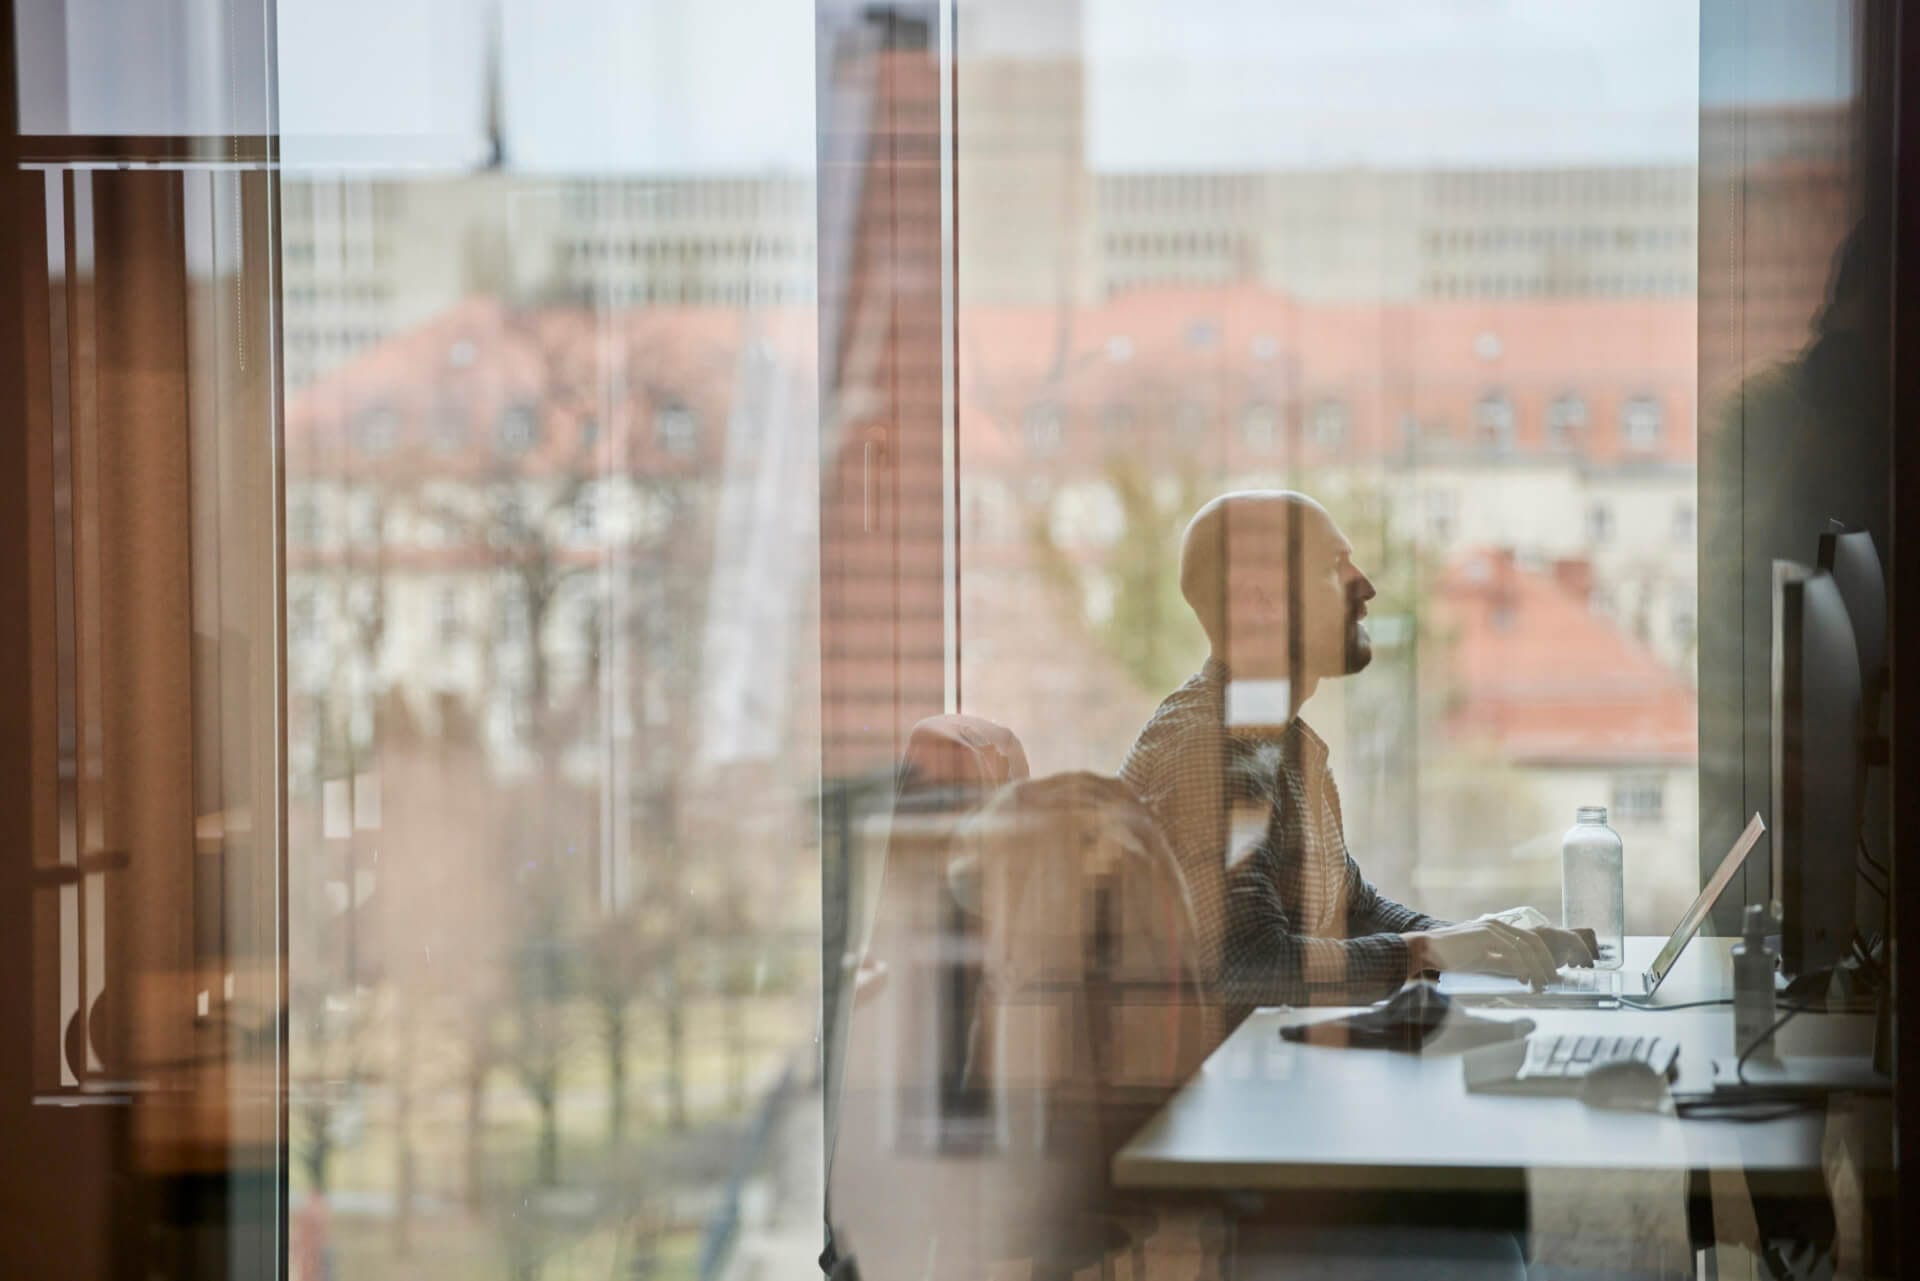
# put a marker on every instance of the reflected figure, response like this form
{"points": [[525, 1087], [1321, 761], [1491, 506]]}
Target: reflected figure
{"points": [[1029, 998], [1242, 786]]}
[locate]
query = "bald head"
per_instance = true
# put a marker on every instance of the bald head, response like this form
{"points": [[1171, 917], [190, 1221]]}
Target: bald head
{"points": [[1272, 580]]}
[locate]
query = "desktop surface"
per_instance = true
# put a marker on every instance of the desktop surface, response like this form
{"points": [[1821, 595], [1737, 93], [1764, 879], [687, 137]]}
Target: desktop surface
{"points": [[1264, 1113]]}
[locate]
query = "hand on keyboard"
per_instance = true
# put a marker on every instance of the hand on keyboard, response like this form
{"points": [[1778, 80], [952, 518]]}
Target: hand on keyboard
{"points": [[1569, 947], [1483, 947]]}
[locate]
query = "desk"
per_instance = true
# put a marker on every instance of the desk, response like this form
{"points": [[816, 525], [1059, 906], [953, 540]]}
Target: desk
{"points": [[1268, 1114]]}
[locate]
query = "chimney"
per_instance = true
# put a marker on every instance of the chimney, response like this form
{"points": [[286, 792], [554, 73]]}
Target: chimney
{"points": [[1575, 576]]}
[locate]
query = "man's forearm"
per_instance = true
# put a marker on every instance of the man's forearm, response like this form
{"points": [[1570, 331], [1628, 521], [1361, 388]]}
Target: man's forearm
{"points": [[1420, 957], [1293, 969]]}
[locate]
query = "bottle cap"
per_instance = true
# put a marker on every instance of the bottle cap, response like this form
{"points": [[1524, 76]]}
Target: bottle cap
{"points": [[1757, 920]]}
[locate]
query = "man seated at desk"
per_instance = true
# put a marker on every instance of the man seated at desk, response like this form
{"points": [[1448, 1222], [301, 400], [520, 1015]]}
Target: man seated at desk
{"points": [[1242, 787]]}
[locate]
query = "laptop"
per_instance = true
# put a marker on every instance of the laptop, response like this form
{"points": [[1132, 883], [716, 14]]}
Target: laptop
{"points": [[1581, 986]]}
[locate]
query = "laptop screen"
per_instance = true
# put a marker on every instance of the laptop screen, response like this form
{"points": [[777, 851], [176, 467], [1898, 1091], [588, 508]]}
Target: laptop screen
{"points": [[1709, 895]]}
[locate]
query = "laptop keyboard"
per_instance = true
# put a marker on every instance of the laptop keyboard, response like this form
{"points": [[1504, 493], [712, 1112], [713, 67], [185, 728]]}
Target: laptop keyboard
{"points": [[1582, 979], [1570, 1057]]}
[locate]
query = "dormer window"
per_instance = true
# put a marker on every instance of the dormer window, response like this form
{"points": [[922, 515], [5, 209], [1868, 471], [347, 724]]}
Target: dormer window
{"points": [[517, 429]]}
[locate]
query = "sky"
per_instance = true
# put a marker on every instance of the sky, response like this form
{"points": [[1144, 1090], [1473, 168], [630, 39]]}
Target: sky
{"points": [[728, 85], [1251, 84]]}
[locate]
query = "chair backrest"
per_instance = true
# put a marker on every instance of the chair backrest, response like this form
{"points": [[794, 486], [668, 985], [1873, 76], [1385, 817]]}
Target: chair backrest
{"points": [[1091, 1013], [903, 1108]]}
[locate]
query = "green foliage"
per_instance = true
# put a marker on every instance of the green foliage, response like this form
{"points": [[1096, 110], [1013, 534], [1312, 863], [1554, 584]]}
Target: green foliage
{"points": [[1148, 628]]}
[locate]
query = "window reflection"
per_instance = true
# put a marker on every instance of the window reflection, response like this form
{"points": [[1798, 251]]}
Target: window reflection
{"points": [[680, 585]]}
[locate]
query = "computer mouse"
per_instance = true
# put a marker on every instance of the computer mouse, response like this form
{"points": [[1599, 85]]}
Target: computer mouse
{"points": [[1625, 1084]]}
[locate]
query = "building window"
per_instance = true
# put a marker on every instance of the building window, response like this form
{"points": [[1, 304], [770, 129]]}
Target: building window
{"points": [[1639, 798], [376, 430], [305, 528], [516, 620], [509, 516], [1046, 429], [1599, 523], [448, 618], [449, 432], [516, 431], [1493, 422], [1202, 334], [1440, 504], [1260, 427], [676, 429], [367, 519], [1328, 424], [586, 515], [1683, 625], [1640, 423], [1683, 524], [1116, 420], [1566, 421], [303, 616]]}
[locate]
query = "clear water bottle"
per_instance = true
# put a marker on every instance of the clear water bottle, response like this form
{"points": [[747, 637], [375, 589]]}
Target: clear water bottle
{"points": [[1593, 891]]}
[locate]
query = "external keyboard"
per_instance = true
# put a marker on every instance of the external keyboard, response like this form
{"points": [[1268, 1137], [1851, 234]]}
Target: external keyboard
{"points": [[1568, 1058]]}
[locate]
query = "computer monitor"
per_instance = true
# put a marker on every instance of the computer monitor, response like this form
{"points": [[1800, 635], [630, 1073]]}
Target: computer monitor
{"points": [[1854, 562], [1816, 767]]}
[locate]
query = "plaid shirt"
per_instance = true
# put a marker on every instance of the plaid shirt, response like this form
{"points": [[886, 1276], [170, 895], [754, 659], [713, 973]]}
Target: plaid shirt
{"points": [[1282, 910]]}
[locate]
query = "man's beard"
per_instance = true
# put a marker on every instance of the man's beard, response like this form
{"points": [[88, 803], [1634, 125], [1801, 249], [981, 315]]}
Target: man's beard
{"points": [[1359, 647]]}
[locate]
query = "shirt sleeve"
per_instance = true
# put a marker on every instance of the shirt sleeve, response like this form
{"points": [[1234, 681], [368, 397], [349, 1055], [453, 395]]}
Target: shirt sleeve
{"points": [[1268, 961], [1368, 910], [1180, 785], [1371, 912]]}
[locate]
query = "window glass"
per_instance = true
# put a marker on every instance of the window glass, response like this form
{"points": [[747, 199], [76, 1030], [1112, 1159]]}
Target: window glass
{"points": [[1493, 422], [1641, 423], [740, 456], [548, 309], [1485, 291], [1566, 419]]}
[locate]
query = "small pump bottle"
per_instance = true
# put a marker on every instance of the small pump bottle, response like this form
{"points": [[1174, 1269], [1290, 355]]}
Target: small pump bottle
{"points": [[1753, 967]]}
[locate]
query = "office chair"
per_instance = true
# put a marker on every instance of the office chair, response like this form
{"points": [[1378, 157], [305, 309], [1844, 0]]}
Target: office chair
{"points": [[1090, 1013], [903, 1117]]}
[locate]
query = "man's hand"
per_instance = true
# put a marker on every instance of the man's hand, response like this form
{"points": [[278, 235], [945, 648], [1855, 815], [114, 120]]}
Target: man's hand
{"points": [[1570, 947], [1486, 947]]}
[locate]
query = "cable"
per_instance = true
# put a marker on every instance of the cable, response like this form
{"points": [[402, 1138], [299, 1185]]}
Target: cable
{"points": [[1651, 1008], [1740, 1110], [1885, 889], [1873, 862], [1879, 890], [1740, 1064], [1878, 884], [1863, 952]]}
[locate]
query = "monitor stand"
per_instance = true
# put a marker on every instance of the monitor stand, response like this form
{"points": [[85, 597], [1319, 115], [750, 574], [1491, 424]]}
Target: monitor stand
{"points": [[1800, 1075]]}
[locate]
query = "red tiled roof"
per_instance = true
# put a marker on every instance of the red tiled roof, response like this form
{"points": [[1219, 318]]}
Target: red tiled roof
{"points": [[479, 358], [1541, 677], [1433, 360]]}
